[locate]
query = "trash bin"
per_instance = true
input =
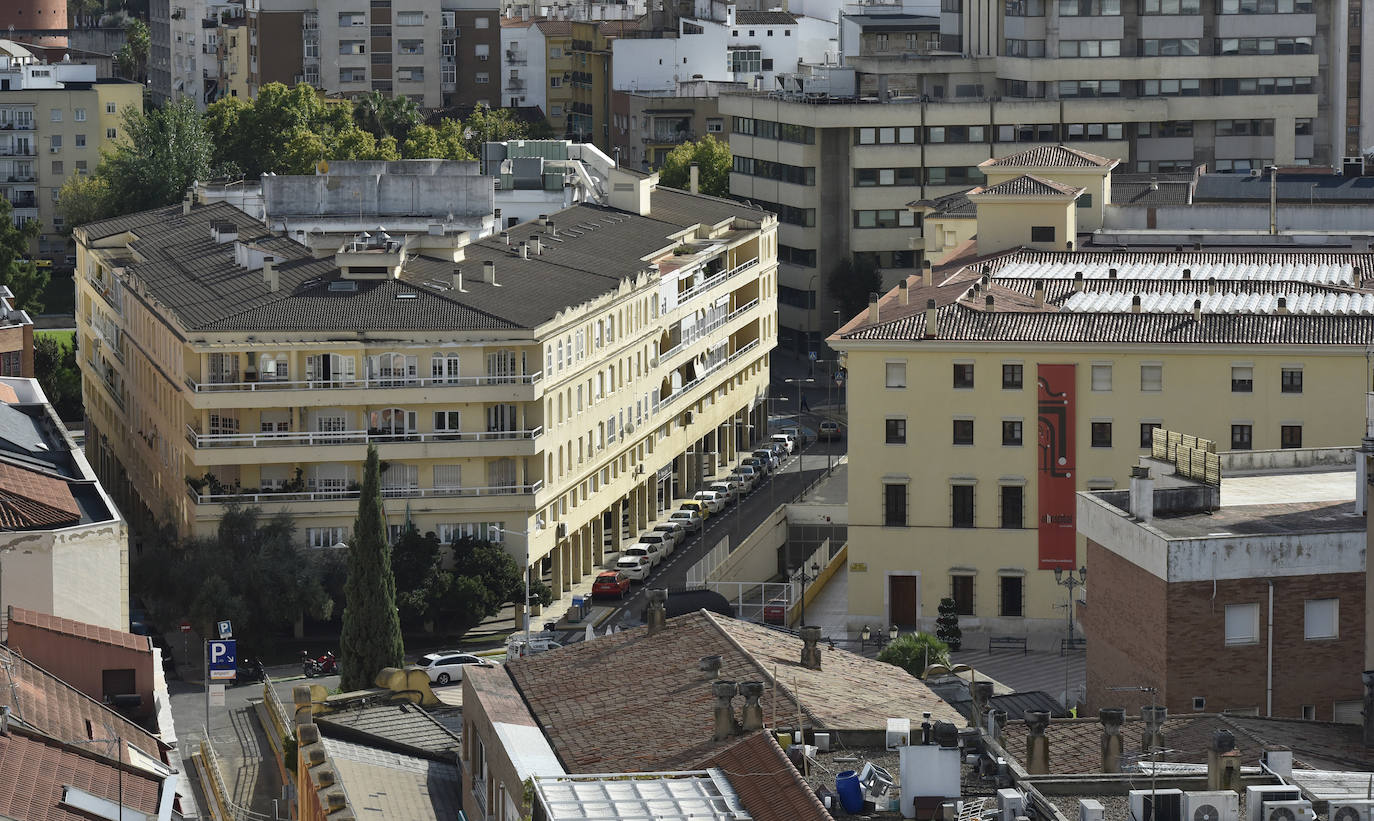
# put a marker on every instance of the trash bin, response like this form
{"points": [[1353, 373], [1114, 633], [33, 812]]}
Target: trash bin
{"points": [[578, 609]]}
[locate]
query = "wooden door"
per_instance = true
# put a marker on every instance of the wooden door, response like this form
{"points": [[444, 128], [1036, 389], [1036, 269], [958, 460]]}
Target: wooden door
{"points": [[901, 600]]}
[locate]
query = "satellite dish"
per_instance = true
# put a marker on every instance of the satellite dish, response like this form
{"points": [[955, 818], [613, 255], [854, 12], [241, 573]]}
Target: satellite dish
{"points": [[322, 167]]}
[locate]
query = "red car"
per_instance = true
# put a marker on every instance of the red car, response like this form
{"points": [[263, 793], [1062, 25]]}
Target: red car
{"points": [[610, 583]]}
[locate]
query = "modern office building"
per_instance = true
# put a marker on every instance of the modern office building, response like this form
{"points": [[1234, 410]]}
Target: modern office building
{"points": [[547, 380], [54, 121]]}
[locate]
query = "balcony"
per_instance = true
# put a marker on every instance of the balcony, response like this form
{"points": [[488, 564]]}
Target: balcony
{"points": [[685, 389], [16, 126], [711, 282], [24, 202], [257, 498], [699, 331], [348, 437], [516, 57], [674, 137], [515, 83], [19, 151], [362, 384]]}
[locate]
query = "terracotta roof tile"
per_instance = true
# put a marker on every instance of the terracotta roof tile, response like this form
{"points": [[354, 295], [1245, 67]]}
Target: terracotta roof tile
{"points": [[81, 630], [1026, 185], [34, 770], [1050, 156], [29, 499], [7, 395], [767, 784]]}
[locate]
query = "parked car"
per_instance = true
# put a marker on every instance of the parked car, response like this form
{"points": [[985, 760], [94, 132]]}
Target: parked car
{"points": [[447, 665], [799, 437], [748, 475], [517, 647], [652, 552], [731, 489], [698, 506], [677, 530], [779, 450], [636, 568], [715, 502], [829, 431], [610, 584], [664, 543], [786, 441], [689, 519], [769, 455], [757, 464]]}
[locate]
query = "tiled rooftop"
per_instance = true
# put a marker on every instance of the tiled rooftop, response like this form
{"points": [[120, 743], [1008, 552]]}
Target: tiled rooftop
{"points": [[1026, 185], [387, 785], [764, 18], [34, 770], [81, 630], [402, 727], [1050, 156], [766, 782]]}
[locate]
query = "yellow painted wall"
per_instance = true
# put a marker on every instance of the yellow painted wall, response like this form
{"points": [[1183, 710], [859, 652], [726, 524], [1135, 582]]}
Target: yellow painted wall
{"points": [[1003, 225], [1090, 207]]}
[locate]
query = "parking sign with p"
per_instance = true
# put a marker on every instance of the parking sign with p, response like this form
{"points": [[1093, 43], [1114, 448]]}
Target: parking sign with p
{"points": [[221, 654]]}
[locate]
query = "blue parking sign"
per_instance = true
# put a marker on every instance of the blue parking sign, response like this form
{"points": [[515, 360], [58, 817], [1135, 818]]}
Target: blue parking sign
{"points": [[221, 655]]}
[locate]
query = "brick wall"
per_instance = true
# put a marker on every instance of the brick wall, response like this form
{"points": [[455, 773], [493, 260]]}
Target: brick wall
{"points": [[1124, 622], [1318, 673], [19, 338]]}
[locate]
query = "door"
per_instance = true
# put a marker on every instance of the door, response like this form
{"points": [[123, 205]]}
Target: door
{"points": [[902, 600]]}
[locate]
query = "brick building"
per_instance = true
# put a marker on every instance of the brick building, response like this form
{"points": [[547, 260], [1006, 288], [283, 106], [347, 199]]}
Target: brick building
{"points": [[16, 338], [1244, 594]]}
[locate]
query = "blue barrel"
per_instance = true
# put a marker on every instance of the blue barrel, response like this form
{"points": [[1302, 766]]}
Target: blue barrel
{"points": [[847, 786]]}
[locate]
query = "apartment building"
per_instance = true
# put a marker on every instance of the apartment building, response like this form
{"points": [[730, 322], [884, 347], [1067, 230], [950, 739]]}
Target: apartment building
{"points": [[523, 75], [16, 337], [54, 121], [561, 375], [1231, 582], [440, 53]]}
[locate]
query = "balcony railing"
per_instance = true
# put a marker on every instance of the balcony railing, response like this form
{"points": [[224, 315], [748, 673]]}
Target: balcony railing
{"points": [[19, 151], [346, 437], [260, 497], [365, 382], [678, 394], [707, 284], [699, 331]]}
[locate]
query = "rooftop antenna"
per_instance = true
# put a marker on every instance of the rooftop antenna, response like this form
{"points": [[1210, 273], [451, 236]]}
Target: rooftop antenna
{"points": [[1153, 752]]}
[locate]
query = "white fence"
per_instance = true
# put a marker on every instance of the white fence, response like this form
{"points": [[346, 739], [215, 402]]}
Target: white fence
{"points": [[698, 573]]}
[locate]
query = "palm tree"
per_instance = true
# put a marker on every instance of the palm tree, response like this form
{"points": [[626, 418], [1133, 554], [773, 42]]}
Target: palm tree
{"points": [[367, 113], [399, 116]]}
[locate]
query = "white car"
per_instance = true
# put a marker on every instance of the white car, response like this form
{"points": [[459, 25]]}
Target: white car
{"points": [[652, 552], [748, 475], [768, 455], [663, 542], [785, 440], [445, 667], [763, 467], [674, 530], [731, 489], [715, 502], [690, 521], [634, 567]]}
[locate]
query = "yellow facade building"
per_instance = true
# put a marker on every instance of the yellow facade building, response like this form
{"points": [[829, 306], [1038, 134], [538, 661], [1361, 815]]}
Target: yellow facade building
{"points": [[994, 390], [549, 382]]}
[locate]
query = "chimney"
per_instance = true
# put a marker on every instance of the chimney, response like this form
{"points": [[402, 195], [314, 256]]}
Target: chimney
{"points": [[903, 293], [1037, 745], [811, 651], [4, 719], [709, 667], [752, 717], [873, 309], [982, 694], [456, 280], [932, 320], [1142, 493], [187, 200], [1222, 743], [535, 247], [1187, 273], [1111, 273], [1152, 737], [1039, 294], [1279, 760], [489, 271], [927, 274], [725, 692], [987, 303], [1368, 677], [694, 178], [658, 610], [269, 273], [524, 251], [553, 231], [505, 237], [1111, 718], [1197, 310], [543, 219], [1211, 285], [1078, 282], [1069, 246], [1283, 305], [997, 722], [1135, 304]]}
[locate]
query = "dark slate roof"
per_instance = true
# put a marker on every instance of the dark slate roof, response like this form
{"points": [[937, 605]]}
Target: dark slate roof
{"points": [[1016, 704], [1152, 189], [765, 18], [1300, 188], [1050, 156], [403, 728], [1026, 185], [197, 279]]}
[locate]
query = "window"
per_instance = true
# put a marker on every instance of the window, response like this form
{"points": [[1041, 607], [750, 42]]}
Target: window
{"points": [[1042, 233], [1290, 436], [1171, 7], [56, 142], [410, 18], [556, 53], [1012, 377], [555, 82], [1085, 200], [1101, 434], [1320, 619], [1242, 624], [55, 114], [880, 218], [869, 177], [961, 506], [80, 140], [896, 374], [961, 590], [1292, 380], [411, 47], [894, 505], [447, 421], [1012, 505], [1147, 434], [896, 431], [79, 115], [110, 133], [110, 108], [481, 77], [1011, 432], [1151, 378], [1242, 437], [963, 431], [1102, 377], [1242, 379], [1011, 596], [482, 22], [963, 375], [352, 18], [324, 536], [11, 363], [57, 166]]}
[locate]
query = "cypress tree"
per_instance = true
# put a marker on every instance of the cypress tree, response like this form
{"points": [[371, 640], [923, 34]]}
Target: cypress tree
{"points": [[371, 636]]}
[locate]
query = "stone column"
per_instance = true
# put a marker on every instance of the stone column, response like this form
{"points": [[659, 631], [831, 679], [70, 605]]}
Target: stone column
{"points": [[617, 525], [575, 539], [566, 550], [599, 541], [556, 582], [588, 534]]}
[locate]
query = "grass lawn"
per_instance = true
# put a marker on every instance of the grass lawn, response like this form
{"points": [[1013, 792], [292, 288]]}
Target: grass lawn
{"points": [[64, 338], [60, 295]]}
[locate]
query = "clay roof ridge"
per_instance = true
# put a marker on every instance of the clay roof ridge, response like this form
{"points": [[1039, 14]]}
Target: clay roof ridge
{"points": [[768, 677]]}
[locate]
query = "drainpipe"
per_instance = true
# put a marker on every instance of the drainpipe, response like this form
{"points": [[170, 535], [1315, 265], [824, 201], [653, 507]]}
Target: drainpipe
{"points": [[1269, 666]]}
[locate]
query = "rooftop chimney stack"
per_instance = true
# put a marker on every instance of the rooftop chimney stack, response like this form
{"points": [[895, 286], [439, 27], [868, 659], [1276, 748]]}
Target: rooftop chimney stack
{"points": [[1187, 273], [489, 271], [725, 692], [873, 309], [1223, 742], [658, 609], [524, 250], [187, 200], [1197, 310], [551, 228], [1078, 282], [457, 279], [1283, 305], [269, 273], [987, 303], [709, 667], [536, 247], [1111, 273], [505, 237], [1039, 294], [1037, 745], [752, 717], [927, 274], [1135, 304], [1142, 494], [903, 293], [1152, 737], [694, 178], [1111, 718], [997, 723], [981, 692], [1211, 285], [811, 650], [932, 320]]}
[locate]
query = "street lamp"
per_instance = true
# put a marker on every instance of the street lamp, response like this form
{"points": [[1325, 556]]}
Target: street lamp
{"points": [[492, 530], [1069, 581], [804, 578], [892, 633], [864, 635]]}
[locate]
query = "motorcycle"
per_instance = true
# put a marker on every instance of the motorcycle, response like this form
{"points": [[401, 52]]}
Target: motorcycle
{"points": [[324, 665], [249, 671]]}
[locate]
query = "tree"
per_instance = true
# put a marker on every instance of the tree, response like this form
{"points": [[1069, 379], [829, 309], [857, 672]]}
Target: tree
{"points": [[84, 198], [485, 579], [421, 581], [486, 125], [163, 152], [914, 652], [371, 638], [57, 372], [132, 58], [17, 271], [852, 281], [947, 625], [444, 141], [713, 159], [383, 116]]}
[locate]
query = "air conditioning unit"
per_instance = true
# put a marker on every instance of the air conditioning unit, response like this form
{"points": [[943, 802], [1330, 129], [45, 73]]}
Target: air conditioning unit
{"points": [[1220, 805], [1255, 173], [1011, 804], [1156, 805], [1089, 809], [561, 531], [482, 57], [1288, 811], [1256, 797], [1350, 809]]}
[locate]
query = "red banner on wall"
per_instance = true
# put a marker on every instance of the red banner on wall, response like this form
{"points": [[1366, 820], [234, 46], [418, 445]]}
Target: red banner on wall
{"points": [[1055, 475]]}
